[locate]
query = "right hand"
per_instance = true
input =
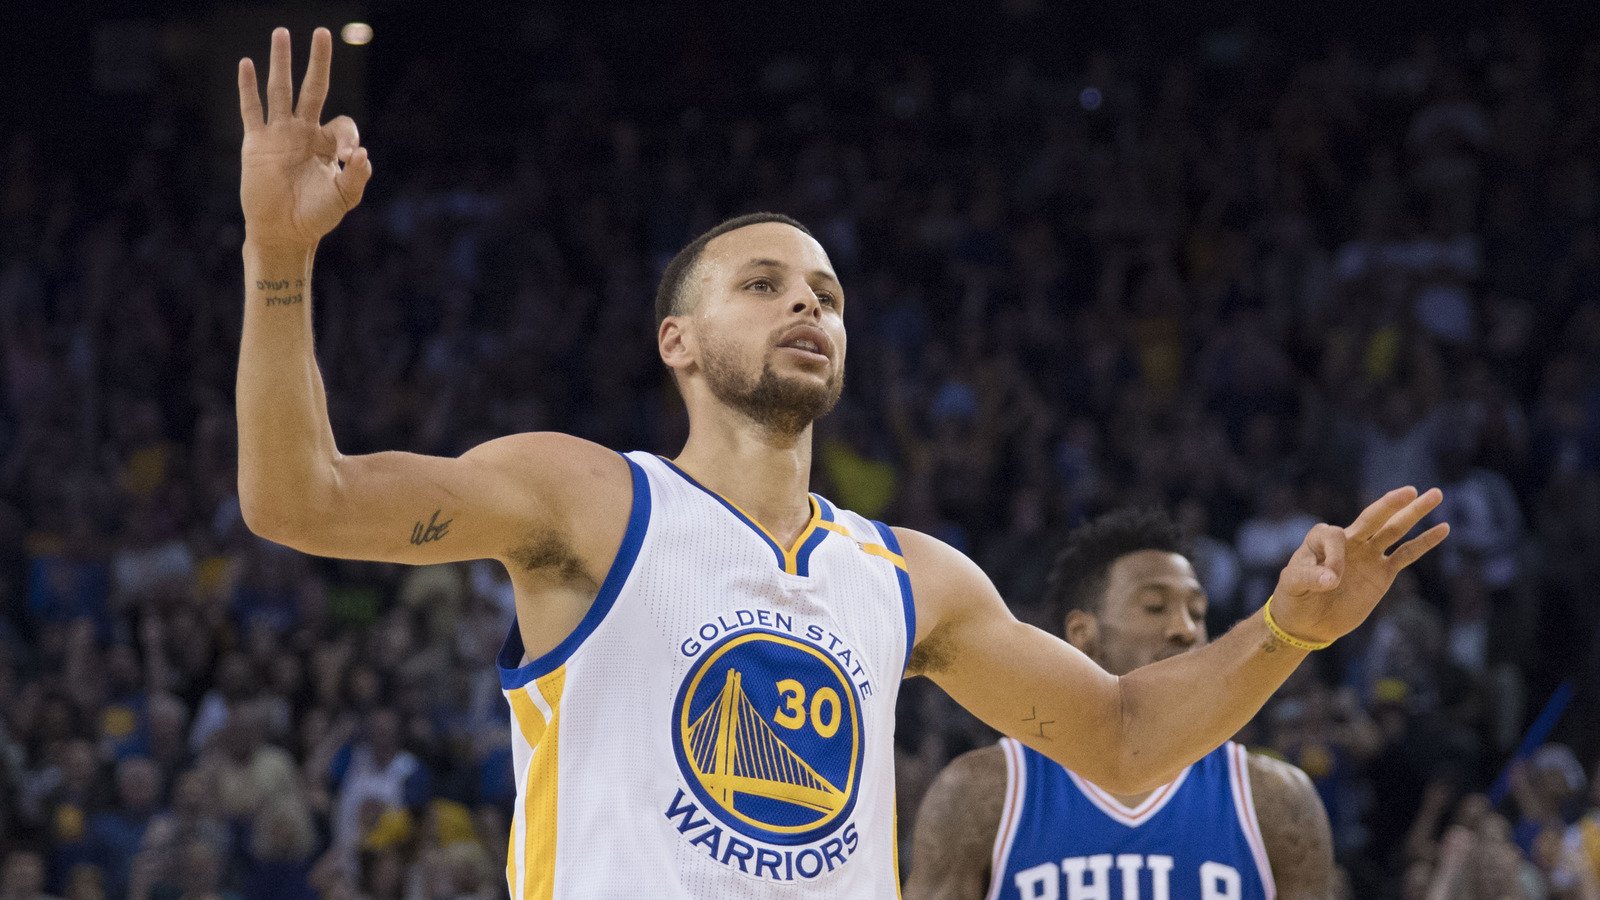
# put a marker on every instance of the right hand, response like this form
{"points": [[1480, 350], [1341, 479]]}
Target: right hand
{"points": [[297, 177]]}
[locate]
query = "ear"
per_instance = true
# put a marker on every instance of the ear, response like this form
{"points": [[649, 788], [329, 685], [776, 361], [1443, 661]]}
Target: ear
{"points": [[675, 341], [1083, 632]]}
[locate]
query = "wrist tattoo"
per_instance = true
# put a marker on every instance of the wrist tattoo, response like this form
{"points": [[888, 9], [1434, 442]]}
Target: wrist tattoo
{"points": [[433, 531], [291, 290]]}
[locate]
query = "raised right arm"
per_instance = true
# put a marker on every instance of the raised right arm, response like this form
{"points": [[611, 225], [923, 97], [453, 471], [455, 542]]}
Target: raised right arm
{"points": [[298, 178]]}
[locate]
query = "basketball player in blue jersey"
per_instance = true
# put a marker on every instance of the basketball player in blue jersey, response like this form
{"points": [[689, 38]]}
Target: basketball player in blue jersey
{"points": [[704, 662], [1007, 822]]}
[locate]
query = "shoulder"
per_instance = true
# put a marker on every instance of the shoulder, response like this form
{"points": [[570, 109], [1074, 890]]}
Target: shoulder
{"points": [[977, 775], [956, 826], [584, 490], [946, 585], [967, 798], [929, 553], [551, 457], [1275, 782], [1294, 827]]}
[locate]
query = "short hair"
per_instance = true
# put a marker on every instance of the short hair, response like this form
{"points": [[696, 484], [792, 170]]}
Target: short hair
{"points": [[1083, 564], [670, 291]]}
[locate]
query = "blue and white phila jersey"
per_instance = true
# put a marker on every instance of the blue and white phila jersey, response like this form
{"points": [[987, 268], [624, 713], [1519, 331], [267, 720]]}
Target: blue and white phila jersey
{"points": [[1062, 838], [721, 722]]}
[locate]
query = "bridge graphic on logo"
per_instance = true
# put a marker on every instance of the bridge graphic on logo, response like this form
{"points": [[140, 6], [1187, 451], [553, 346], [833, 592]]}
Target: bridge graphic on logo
{"points": [[734, 751]]}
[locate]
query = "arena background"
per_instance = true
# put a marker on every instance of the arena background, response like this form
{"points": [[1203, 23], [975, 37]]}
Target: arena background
{"points": [[1250, 263]]}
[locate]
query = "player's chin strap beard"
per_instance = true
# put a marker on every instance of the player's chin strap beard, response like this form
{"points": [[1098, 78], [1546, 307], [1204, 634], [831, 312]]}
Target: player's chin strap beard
{"points": [[776, 404]]}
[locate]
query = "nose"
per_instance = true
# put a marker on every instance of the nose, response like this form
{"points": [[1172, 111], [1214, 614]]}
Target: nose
{"points": [[807, 302], [1184, 630]]}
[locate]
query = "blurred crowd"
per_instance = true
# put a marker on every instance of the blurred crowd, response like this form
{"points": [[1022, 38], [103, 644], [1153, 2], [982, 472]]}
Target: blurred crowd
{"points": [[1252, 284]]}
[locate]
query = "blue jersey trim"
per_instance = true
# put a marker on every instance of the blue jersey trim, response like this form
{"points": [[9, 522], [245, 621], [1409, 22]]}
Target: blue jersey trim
{"points": [[738, 514], [513, 676], [796, 562], [802, 556], [906, 600]]}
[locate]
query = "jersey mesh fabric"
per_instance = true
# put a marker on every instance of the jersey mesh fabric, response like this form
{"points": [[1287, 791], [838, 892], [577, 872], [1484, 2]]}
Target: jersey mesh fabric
{"points": [[1200, 829], [705, 577]]}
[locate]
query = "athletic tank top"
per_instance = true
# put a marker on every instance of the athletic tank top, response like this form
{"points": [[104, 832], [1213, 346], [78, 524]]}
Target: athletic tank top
{"points": [[721, 722], [1062, 838]]}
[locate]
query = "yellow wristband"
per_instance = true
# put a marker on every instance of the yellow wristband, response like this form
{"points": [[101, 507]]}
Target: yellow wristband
{"points": [[1286, 637]]}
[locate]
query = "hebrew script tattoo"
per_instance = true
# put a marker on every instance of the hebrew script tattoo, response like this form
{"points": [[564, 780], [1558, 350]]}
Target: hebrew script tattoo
{"points": [[286, 291]]}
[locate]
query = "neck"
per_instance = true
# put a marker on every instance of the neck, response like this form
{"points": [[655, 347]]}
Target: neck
{"points": [[765, 474], [1132, 800]]}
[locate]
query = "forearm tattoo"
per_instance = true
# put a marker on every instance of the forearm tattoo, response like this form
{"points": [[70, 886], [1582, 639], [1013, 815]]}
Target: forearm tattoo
{"points": [[433, 531], [1033, 721]]}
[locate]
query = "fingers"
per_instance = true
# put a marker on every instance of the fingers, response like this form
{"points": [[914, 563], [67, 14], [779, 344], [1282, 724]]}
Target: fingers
{"points": [[249, 96], [1305, 574], [1327, 542], [1381, 510], [352, 179], [1413, 550], [1407, 518], [314, 88], [280, 90], [342, 136], [1300, 578]]}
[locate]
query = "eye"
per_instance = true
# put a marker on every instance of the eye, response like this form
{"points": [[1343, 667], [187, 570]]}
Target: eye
{"points": [[761, 284], [1156, 610], [827, 298]]}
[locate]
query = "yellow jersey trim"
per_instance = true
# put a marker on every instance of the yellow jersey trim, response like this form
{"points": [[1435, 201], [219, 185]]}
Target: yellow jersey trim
{"points": [[536, 880]]}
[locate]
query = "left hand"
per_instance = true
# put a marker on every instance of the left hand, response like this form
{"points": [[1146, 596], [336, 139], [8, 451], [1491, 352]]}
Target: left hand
{"points": [[1336, 578]]}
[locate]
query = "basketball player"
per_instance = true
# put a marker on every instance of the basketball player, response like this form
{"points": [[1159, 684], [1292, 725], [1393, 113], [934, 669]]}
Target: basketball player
{"points": [[1006, 822], [705, 658]]}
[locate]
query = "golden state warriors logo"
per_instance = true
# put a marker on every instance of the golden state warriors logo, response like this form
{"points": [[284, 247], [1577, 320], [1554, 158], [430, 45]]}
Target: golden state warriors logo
{"points": [[767, 731]]}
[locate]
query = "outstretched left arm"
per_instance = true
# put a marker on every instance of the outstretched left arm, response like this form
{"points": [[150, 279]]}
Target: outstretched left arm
{"points": [[1134, 733], [1294, 827], [1128, 734]]}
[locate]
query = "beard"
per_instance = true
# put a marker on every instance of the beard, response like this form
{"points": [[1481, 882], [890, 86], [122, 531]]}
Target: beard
{"points": [[781, 405]]}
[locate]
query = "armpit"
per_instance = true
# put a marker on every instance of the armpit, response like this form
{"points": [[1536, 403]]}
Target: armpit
{"points": [[549, 555], [933, 653]]}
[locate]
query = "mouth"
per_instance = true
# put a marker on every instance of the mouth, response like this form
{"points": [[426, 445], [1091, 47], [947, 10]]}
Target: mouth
{"points": [[807, 341]]}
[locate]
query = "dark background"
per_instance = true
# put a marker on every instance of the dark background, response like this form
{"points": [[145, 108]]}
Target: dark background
{"points": [[1291, 256]]}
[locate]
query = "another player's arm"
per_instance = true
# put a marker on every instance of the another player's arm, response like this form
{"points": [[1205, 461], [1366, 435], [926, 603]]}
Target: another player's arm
{"points": [[1134, 733], [297, 180], [953, 843], [1294, 827]]}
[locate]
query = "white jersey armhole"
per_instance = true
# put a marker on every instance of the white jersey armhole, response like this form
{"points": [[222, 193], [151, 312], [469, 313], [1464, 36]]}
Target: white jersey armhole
{"points": [[1244, 805], [1010, 814]]}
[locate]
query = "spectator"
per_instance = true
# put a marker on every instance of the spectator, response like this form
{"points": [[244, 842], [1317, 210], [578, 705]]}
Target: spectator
{"points": [[372, 776], [115, 835], [191, 817], [22, 877], [1255, 286], [1267, 539]]}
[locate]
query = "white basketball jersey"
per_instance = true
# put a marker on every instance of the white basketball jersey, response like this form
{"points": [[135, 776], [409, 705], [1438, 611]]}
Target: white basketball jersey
{"points": [[721, 723]]}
